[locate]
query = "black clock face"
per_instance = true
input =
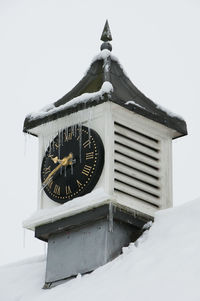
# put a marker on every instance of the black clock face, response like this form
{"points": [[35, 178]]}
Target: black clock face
{"points": [[72, 164]]}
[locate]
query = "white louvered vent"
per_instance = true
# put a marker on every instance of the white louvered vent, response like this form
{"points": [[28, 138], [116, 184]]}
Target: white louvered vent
{"points": [[136, 166]]}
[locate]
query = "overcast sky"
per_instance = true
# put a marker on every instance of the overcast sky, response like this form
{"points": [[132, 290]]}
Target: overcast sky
{"points": [[46, 47]]}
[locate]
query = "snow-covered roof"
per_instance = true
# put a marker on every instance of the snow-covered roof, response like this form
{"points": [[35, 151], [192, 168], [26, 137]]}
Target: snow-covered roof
{"points": [[104, 81], [163, 264]]}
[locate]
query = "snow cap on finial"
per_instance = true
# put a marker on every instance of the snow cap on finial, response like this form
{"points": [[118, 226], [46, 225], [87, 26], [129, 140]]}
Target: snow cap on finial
{"points": [[106, 37]]}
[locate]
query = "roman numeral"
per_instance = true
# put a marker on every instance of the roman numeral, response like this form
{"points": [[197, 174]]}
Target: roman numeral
{"points": [[50, 184], [89, 156], [86, 170], [68, 190], [57, 189], [86, 143], [56, 145], [69, 136], [47, 170], [78, 183]]}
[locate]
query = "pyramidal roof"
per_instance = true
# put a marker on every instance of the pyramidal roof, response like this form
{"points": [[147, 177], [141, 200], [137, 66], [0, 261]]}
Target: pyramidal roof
{"points": [[104, 81]]}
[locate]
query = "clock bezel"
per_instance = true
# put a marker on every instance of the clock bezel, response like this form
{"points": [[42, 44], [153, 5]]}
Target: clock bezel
{"points": [[95, 174]]}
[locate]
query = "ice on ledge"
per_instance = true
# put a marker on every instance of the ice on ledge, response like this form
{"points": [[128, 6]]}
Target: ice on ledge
{"points": [[91, 200], [83, 98]]}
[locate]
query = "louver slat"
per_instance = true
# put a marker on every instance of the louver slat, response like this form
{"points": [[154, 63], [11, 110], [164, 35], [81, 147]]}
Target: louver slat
{"points": [[123, 149], [127, 190], [136, 184], [123, 159], [138, 147], [140, 175], [141, 138]]}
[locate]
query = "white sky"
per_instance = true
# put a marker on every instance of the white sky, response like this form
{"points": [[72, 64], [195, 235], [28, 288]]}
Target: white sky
{"points": [[47, 45]]}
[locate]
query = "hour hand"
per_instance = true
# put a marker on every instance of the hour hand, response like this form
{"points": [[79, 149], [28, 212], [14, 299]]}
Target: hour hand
{"points": [[54, 159]]}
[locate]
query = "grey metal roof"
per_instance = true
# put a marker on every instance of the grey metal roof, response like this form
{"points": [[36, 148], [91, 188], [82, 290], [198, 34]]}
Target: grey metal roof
{"points": [[123, 91], [107, 68]]}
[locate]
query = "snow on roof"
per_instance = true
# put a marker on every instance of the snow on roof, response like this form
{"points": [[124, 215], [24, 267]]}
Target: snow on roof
{"points": [[103, 55], [132, 102], [83, 98], [162, 265], [105, 80]]}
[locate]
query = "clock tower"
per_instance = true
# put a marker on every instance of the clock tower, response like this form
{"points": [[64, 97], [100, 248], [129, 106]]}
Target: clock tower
{"points": [[105, 167]]}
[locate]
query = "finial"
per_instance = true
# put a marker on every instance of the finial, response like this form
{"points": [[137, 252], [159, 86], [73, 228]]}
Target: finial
{"points": [[106, 34], [106, 37]]}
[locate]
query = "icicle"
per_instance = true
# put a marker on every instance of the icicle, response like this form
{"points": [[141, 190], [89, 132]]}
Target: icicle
{"points": [[106, 248], [59, 147], [53, 146], [25, 143], [45, 249], [46, 143], [50, 146], [61, 137], [24, 238], [72, 130], [89, 126], [58, 144], [65, 171], [110, 218], [89, 136], [80, 141], [67, 132], [78, 276], [72, 169], [41, 195], [75, 129]]}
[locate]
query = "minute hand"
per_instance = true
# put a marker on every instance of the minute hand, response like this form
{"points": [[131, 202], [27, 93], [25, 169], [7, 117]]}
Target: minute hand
{"points": [[52, 173]]}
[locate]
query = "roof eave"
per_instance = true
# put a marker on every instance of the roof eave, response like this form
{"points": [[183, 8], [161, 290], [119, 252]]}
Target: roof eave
{"points": [[31, 123], [174, 123]]}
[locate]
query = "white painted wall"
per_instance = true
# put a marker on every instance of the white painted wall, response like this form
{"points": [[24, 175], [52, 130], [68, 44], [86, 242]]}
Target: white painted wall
{"points": [[101, 118]]}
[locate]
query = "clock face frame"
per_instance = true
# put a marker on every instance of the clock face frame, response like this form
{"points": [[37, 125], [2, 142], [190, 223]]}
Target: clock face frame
{"points": [[83, 170]]}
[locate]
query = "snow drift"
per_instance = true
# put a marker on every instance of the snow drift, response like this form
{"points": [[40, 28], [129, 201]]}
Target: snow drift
{"points": [[162, 265]]}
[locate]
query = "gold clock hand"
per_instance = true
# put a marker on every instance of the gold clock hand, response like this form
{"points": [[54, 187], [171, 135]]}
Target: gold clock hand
{"points": [[52, 173], [63, 162], [54, 159]]}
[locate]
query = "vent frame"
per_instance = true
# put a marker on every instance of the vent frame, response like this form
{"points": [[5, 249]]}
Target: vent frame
{"points": [[155, 169]]}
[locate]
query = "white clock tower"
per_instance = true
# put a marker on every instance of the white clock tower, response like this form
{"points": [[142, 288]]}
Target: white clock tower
{"points": [[105, 167]]}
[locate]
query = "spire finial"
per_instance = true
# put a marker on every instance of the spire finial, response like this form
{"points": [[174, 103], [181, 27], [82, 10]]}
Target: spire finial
{"points": [[106, 34], [106, 37]]}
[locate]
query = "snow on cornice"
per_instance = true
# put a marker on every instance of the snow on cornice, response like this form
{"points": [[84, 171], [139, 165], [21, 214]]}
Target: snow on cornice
{"points": [[133, 103], [159, 107], [91, 200], [168, 112], [106, 88]]}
